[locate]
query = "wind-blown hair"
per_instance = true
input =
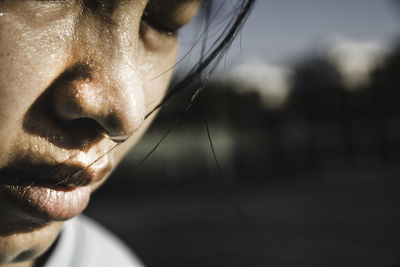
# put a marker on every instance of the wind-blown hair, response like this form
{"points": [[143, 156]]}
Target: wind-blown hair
{"points": [[212, 55]]}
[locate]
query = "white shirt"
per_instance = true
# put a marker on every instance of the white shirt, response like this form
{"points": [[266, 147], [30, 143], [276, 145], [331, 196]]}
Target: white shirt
{"points": [[85, 243]]}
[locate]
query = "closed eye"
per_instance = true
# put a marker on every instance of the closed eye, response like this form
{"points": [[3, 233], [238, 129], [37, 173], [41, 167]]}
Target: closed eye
{"points": [[157, 26], [169, 16]]}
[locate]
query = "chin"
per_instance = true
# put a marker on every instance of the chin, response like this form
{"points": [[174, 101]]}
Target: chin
{"points": [[34, 215], [27, 246]]}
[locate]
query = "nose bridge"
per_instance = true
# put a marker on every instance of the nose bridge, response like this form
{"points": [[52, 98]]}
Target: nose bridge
{"points": [[122, 97], [117, 95], [108, 88]]}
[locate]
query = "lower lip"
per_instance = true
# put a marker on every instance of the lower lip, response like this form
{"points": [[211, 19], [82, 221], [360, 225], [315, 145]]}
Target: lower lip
{"points": [[50, 204], [55, 203]]}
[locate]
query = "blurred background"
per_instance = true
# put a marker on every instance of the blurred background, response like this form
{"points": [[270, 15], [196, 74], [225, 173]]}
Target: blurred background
{"points": [[304, 119]]}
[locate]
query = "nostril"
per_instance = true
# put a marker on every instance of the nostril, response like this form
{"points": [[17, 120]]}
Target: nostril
{"points": [[119, 139], [90, 126], [117, 127], [115, 105]]}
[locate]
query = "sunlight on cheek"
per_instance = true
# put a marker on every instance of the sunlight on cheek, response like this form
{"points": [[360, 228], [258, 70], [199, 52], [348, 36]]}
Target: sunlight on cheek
{"points": [[156, 70]]}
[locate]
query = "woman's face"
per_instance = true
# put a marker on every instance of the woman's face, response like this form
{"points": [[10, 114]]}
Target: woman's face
{"points": [[77, 77]]}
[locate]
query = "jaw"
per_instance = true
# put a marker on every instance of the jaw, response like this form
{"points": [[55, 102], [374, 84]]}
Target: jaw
{"points": [[23, 248]]}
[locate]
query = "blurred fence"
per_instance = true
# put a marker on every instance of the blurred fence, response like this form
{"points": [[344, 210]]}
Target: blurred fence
{"points": [[322, 128], [316, 179]]}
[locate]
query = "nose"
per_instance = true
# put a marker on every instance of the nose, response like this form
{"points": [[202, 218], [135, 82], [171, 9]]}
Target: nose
{"points": [[115, 102], [103, 83]]}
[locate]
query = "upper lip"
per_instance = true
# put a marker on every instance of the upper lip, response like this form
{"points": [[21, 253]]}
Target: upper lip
{"points": [[57, 168], [52, 175]]}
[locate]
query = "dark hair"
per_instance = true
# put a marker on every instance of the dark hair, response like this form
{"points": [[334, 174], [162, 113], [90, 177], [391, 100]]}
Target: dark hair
{"points": [[212, 56], [209, 57]]}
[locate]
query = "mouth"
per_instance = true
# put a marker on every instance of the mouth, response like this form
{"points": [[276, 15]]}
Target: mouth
{"points": [[52, 192]]}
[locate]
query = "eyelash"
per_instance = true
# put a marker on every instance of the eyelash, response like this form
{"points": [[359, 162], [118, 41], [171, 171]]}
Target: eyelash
{"points": [[157, 26], [145, 19]]}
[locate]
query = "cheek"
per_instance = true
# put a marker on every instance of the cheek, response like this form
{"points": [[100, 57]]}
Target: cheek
{"points": [[33, 51], [29, 62], [156, 69]]}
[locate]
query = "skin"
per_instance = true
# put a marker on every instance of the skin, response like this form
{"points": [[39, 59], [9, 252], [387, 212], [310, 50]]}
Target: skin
{"points": [[110, 58]]}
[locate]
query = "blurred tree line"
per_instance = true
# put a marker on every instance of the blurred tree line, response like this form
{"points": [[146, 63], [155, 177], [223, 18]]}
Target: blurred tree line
{"points": [[322, 127]]}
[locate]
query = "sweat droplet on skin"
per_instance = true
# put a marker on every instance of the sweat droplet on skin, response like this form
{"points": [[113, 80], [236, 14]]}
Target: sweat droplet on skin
{"points": [[25, 146], [64, 155], [82, 158]]}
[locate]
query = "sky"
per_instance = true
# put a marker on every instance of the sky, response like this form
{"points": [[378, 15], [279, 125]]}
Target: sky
{"points": [[279, 30], [354, 34]]}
